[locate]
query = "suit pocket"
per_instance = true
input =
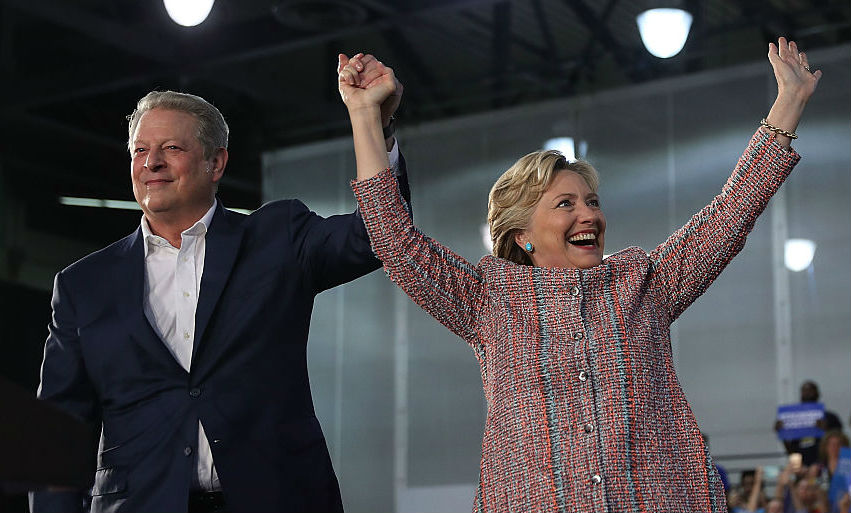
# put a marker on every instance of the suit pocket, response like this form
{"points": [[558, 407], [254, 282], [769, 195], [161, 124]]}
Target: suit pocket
{"points": [[109, 480]]}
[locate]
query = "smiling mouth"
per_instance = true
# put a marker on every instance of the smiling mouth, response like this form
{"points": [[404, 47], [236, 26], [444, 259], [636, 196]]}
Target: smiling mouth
{"points": [[586, 239]]}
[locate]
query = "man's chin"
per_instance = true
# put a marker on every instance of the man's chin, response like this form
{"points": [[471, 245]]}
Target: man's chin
{"points": [[154, 205]]}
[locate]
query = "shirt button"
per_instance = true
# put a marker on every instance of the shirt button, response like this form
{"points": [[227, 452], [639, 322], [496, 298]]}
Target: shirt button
{"points": [[583, 376], [596, 479], [578, 335], [588, 427], [187, 451], [185, 294], [195, 392], [186, 335], [574, 291]]}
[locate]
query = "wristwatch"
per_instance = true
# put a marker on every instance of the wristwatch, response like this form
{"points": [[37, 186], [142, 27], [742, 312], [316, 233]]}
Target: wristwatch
{"points": [[390, 129]]}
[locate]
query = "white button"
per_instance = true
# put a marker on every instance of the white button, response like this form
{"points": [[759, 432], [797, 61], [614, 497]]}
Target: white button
{"points": [[185, 294], [596, 479], [583, 375], [186, 335], [578, 335], [574, 291], [185, 259]]}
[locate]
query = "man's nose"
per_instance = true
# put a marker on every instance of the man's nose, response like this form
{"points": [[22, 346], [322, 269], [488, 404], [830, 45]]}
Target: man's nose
{"points": [[154, 159]]}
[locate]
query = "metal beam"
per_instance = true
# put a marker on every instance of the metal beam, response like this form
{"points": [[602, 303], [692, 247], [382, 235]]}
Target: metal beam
{"points": [[600, 31], [546, 33], [501, 47], [215, 64]]}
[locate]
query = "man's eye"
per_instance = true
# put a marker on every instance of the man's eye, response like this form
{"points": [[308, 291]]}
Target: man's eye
{"points": [[138, 150], [172, 147]]}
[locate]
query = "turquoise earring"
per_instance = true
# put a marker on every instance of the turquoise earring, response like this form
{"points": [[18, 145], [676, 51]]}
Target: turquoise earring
{"points": [[529, 247]]}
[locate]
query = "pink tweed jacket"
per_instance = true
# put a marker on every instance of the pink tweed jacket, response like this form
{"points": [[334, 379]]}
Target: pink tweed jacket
{"points": [[585, 412]]}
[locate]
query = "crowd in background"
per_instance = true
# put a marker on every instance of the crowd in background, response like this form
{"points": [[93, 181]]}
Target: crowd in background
{"points": [[808, 483]]}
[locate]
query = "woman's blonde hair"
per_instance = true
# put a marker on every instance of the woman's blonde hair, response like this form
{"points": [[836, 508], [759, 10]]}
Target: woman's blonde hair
{"points": [[516, 193]]}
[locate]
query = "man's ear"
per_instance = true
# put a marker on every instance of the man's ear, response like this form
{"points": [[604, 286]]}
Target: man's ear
{"points": [[216, 166]]}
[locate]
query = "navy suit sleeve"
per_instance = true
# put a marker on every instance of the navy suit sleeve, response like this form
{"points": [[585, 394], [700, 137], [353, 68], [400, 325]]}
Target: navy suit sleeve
{"points": [[336, 250], [64, 383]]}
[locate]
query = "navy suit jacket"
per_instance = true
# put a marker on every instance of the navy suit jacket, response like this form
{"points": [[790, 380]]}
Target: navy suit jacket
{"points": [[248, 383]]}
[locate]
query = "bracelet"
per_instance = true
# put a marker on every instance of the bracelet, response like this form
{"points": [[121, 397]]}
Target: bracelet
{"points": [[390, 129], [776, 130]]}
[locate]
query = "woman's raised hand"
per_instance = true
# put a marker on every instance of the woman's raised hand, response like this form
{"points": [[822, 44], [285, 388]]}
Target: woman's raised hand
{"points": [[364, 81], [795, 78]]}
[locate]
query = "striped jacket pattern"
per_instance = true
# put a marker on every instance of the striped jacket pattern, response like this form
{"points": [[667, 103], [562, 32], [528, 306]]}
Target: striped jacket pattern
{"points": [[584, 409]]}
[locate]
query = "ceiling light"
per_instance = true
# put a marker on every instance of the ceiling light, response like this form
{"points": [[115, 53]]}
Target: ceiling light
{"points": [[188, 12], [565, 145], [798, 254], [664, 31]]}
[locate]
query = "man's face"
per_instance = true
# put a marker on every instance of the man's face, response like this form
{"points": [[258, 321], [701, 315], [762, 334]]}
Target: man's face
{"points": [[171, 178], [809, 393]]}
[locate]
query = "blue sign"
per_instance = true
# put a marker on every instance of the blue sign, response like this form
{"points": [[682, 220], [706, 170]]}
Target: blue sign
{"points": [[799, 420], [841, 482]]}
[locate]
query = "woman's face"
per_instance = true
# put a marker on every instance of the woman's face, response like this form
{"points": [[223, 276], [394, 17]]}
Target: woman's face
{"points": [[567, 226], [832, 446]]}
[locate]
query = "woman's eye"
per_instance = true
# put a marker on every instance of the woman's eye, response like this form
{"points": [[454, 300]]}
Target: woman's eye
{"points": [[565, 203], [594, 203]]}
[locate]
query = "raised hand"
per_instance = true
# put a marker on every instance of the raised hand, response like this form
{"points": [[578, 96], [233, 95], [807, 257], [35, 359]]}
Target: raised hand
{"points": [[366, 82], [792, 70], [795, 84]]}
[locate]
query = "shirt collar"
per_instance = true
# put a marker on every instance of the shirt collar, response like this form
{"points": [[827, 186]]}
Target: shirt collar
{"points": [[199, 228]]}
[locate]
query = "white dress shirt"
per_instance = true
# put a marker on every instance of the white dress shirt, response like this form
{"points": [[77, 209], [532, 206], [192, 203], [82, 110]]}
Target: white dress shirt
{"points": [[172, 284]]}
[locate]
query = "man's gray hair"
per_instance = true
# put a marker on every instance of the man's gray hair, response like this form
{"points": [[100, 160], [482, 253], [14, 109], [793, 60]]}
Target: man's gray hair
{"points": [[212, 128]]}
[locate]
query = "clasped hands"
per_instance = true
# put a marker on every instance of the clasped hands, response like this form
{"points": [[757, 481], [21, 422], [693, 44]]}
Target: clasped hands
{"points": [[365, 82]]}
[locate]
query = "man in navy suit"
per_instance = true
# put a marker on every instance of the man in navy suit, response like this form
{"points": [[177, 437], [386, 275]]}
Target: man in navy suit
{"points": [[186, 340]]}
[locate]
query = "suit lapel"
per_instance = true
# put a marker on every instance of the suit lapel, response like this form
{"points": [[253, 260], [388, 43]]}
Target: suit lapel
{"points": [[130, 304], [223, 242]]}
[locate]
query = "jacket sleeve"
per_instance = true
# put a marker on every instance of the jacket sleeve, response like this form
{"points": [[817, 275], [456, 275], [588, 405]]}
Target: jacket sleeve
{"points": [[690, 260], [64, 383], [445, 285], [336, 250]]}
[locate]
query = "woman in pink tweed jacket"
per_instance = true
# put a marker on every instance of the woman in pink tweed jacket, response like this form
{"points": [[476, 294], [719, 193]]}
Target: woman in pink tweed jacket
{"points": [[585, 412]]}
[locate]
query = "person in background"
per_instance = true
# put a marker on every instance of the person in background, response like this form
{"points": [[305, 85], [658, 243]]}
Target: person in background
{"points": [[749, 496], [829, 449], [808, 447], [798, 488]]}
